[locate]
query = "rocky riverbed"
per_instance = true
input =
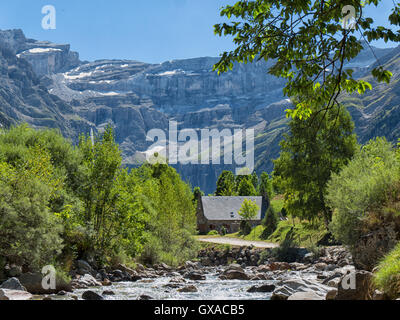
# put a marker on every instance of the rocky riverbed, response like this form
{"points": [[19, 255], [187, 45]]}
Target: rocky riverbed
{"points": [[212, 277]]}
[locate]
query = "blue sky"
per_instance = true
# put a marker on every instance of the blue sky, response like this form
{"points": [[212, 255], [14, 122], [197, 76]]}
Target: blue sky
{"points": [[145, 30]]}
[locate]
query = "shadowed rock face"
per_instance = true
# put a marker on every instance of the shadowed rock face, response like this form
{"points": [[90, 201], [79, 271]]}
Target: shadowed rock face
{"points": [[45, 84]]}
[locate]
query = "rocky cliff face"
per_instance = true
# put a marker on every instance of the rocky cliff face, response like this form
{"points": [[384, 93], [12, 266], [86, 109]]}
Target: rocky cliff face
{"points": [[45, 84], [45, 57], [23, 98]]}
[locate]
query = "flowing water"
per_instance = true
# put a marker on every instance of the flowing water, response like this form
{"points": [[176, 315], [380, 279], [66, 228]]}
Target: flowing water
{"points": [[210, 289]]}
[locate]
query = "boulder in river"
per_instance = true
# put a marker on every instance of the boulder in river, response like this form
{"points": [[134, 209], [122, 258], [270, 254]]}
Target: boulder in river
{"points": [[287, 288], [33, 284], [262, 288], [195, 276], [145, 297], [108, 293], [274, 266], [190, 288], [127, 270], [235, 275], [192, 265], [6, 294], [85, 282], [355, 286], [305, 296], [12, 284], [91, 295]]}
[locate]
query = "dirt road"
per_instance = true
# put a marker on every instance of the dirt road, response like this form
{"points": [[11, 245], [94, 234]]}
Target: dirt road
{"points": [[237, 242]]}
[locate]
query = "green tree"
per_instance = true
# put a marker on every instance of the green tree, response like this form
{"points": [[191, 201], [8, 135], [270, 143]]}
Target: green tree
{"points": [[307, 46], [265, 186], [197, 193], [306, 162], [226, 185], [102, 162], [172, 216], [30, 234], [254, 180], [246, 187], [270, 222], [248, 212]]}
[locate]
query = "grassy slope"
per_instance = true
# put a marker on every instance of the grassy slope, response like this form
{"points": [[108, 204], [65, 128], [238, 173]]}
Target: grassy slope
{"points": [[387, 278]]}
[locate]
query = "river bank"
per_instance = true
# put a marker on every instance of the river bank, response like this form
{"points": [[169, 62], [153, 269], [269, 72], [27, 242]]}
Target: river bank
{"points": [[219, 273]]}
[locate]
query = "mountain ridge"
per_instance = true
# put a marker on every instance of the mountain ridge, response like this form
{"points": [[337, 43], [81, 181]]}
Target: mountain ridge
{"points": [[135, 97]]}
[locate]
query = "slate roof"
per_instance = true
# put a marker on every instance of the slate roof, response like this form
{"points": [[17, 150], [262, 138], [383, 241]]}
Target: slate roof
{"points": [[227, 208]]}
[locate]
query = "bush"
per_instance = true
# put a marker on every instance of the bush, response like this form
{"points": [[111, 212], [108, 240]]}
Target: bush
{"points": [[213, 233], [387, 277], [29, 232], [270, 222], [364, 197], [245, 227], [362, 184], [286, 252], [223, 231], [316, 250], [59, 202]]}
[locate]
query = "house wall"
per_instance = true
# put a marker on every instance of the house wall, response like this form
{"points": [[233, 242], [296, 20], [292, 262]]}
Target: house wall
{"points": [[231, 226]]}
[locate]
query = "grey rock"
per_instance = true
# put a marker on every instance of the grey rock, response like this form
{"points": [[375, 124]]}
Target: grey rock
{"points": [[286, 288], [190, 288], [84, 268], [91, 295], [85, 281], [305, 296], [262, 288], [32, 281], [362, 290], [331, 295], [145, 297], [6, 294], [108, 293], [195, 276], [235, 275], [12, 284]]}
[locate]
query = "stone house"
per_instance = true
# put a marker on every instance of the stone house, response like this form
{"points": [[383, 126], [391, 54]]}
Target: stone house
{"points": [[213, 213]]}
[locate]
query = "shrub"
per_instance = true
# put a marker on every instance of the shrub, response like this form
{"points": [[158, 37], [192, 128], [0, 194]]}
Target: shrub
{"points": [[54, 196], [387, 277], [270, 222], [316, 250], [223, 231], [245, 227], [213, 233], [286, 252], [29, 232], [362, 184], [361, 197]]}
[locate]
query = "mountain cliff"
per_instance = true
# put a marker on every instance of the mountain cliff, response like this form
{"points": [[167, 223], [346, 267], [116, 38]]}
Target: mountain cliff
{"points": [[47, 85]]}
